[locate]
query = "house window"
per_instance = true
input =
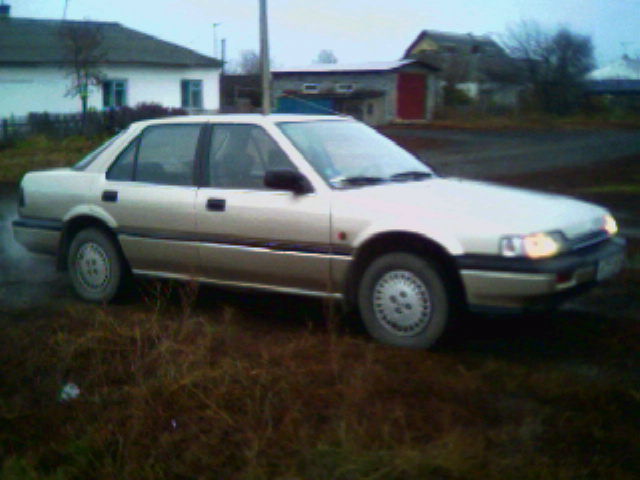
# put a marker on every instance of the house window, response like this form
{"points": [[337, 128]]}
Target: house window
{"points": [[344, 87], [310, 88], [191, 93], [114, 93]]}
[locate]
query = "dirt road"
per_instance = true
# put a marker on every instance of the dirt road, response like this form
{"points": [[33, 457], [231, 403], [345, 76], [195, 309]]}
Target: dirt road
{"points": [[483, 154]]}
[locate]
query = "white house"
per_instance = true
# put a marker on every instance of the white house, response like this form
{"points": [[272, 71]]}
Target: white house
{"points": [[134, 68]]}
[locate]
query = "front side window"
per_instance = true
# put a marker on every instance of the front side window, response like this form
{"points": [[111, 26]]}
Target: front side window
{"points": [[347, 152], [241, 154], [114, 93], [191, 91], [163, 154]]}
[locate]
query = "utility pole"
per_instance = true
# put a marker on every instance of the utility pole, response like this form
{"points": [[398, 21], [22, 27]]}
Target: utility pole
{"points": [[264, 59], [223, 53]]}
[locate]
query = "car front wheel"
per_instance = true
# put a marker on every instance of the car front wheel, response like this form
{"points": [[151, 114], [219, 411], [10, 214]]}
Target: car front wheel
{"points": [[403, 300], [95, 266]]}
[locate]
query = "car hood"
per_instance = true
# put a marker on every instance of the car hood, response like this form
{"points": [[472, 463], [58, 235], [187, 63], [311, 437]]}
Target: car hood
{"points": [[463, 204]]}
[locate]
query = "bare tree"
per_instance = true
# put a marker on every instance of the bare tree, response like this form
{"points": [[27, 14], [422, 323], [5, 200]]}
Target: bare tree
{"points": [[82, 43], [326, 56], [249, 62], [555, 62]]}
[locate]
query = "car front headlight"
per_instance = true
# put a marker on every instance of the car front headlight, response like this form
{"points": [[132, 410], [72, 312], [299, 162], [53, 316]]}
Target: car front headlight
{"points": [[535, 245], [610, 225]]}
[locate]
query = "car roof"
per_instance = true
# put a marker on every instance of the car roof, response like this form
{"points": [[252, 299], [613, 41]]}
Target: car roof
{"points": [[242, 118]]}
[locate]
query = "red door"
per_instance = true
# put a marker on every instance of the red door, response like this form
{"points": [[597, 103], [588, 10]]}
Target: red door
{"points": [[412, 92]]}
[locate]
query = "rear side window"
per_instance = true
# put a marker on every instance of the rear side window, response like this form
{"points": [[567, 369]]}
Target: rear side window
{"points": [[87, 160], [165, 155]]}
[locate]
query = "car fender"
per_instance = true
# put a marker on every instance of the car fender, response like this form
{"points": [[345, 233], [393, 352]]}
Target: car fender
{"points": [[440, 236], [91, 211]]}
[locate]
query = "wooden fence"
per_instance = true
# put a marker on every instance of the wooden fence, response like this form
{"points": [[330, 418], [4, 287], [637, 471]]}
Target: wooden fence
{"points": [[42, 123]]}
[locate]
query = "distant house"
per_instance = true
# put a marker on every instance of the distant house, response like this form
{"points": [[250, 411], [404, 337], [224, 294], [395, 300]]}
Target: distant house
{"points": [[375, 92], [474, 64], [135, 68], [621, 77]]}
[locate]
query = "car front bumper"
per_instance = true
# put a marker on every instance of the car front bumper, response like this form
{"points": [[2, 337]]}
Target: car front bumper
{"points": [[493, 282]]}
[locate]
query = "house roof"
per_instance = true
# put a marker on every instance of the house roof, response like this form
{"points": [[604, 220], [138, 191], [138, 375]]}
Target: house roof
{"points": [[452, 51], [353, 67], [443, 39], [36, 41], [623, 69]]}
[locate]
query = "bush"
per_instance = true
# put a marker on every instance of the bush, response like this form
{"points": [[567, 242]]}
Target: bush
{"points": [[96, 122], [120, 118]]}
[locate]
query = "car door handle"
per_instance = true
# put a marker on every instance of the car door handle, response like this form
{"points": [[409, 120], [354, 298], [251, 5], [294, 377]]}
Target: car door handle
{"points": [[216, 204], [109, 196]]}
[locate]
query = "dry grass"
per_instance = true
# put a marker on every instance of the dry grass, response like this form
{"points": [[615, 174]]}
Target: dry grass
{"points": [[210, 384], [183, 386], [40, 152]]}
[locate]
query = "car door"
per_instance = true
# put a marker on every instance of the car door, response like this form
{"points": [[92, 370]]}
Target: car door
{"points": [[150, 192], [251, 235]]}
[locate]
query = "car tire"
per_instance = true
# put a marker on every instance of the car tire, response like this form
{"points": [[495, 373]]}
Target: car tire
{"points": [[403, 300], [95, 265]]}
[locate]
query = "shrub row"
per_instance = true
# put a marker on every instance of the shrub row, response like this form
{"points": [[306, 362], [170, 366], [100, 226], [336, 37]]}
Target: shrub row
{"points": [[94, 122]]}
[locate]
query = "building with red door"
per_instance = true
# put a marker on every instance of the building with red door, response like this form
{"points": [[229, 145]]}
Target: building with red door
{"points": [[376, 93], [473, 64]]}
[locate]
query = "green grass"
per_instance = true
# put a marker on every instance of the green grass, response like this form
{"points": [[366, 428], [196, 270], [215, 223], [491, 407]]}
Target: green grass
{"points": [[40, 152]]}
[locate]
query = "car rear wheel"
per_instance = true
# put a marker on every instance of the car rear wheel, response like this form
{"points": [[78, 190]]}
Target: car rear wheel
{"points": [[95, 266], [403, 300]]}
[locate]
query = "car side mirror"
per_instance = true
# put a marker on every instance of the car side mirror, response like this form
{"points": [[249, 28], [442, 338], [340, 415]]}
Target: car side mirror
{"points": [[285, 179]]}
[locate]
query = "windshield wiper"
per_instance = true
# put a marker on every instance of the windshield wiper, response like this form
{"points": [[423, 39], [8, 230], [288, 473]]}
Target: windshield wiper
{"points": [[358, 180], [410, 175]]}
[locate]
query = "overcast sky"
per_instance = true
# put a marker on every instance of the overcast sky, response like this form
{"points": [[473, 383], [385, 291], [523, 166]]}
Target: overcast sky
{"points": [[356, 30]]}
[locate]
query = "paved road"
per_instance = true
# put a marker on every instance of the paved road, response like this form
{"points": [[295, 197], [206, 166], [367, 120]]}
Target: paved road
{"points": [[477, 154]]}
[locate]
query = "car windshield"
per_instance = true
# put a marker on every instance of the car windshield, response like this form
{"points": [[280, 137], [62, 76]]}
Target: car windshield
{"points": [[348, 153], [90, 157]]}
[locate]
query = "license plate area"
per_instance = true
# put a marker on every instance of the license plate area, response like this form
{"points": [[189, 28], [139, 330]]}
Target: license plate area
{"points": [[608, 267]]}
